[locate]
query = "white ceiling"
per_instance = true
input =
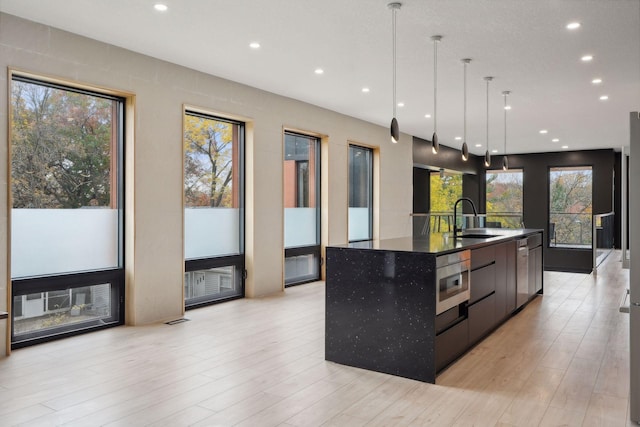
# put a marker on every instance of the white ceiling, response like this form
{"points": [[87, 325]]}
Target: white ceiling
{"points": [[523, 43]]}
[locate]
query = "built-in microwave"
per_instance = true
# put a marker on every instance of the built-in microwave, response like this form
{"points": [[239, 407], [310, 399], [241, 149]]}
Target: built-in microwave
{"points": [[453, 273]]}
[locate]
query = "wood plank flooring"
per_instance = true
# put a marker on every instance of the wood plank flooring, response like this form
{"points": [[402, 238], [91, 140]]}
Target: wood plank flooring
{"points": [[563, 360]]}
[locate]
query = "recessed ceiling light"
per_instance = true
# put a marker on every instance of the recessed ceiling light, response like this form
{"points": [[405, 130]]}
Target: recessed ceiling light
{"points": [[494, 151], [564, 147], [555, 140], [573, 25], [458, 138], [543, 131], [478, 145], [254, 45], [160, 7], [596, 81], [319, 71], [507, 107], [604, 98], [400, 104], [428, 116], [587, 58], [365, 90]]}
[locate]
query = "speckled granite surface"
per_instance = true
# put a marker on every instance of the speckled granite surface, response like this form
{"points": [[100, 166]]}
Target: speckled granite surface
{"points": [[380, 311]]}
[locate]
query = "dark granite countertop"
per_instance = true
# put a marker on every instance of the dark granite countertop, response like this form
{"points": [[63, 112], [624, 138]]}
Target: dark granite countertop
{"points": [[443, 243]]}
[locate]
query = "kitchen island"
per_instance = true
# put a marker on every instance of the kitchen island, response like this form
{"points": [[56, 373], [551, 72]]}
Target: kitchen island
{"points": [[384, 299]]}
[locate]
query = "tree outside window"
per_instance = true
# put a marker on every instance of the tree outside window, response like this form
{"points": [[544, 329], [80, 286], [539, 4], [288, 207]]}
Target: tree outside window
{"points": [[570, 206]]}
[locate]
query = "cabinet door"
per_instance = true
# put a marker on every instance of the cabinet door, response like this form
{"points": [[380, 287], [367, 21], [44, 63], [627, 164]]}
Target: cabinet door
{"points": [[501, 281], [510, 299], [481, 318], [451, 343], [532, 272], [538, 268], [482, 282]]}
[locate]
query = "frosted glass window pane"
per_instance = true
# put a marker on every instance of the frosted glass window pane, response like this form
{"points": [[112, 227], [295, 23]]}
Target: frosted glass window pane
{"points": [[359, 224], [211, 232], [300, 227], [53, 241]]}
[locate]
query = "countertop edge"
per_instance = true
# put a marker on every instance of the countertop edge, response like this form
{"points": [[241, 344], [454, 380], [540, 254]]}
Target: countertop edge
{"points": [[384, 245]]}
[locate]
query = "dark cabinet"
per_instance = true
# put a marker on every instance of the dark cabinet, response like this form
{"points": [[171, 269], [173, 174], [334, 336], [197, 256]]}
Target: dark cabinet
{"points": [[505, 281], [511, 289], [501, 281], [482, 318], [451, 343], [535, 270], [536, 253], [482, 282]]}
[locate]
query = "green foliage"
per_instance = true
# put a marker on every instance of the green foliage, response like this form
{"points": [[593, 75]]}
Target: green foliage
{"points": [[208, 162], [445, 191], [60, 148], [504, 196]]}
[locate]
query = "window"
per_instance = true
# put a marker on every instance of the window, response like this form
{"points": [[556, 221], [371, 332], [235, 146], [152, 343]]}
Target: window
{"points": [[570, 207], [301, 208], [67, 210], [213, 216], [444, 189], [504, 198], [360, 193]]}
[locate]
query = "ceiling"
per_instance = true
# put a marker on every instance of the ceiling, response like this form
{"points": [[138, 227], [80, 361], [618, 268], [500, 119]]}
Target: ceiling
{"points": [[524, 44]]}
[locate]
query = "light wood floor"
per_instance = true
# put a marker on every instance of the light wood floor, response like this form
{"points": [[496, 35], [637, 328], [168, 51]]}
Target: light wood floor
{"points": [[563, 360]]}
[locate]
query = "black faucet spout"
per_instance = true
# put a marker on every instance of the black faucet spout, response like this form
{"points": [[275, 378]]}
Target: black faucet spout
{"points": [[455, 213]]}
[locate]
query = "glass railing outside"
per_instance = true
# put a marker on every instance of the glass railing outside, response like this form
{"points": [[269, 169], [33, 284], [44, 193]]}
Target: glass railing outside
{"points": [[504, 220], [570, 230], [604, 232]]}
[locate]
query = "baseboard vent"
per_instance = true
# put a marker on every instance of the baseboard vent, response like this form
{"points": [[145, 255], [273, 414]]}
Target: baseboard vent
{"points": [[175, 322]]}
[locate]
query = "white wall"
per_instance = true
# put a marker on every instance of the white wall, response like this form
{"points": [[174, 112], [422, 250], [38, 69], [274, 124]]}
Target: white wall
{"points": [[160, 88]]}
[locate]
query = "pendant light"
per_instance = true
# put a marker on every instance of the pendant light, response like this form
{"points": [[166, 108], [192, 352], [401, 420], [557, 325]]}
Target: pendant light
{"points": [[465, 147], [487, 155], [434, 139], [505, 160], [394, 128]]}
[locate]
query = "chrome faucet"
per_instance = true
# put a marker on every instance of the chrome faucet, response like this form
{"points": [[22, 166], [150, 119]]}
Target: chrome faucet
{"points": [[455, 213]]}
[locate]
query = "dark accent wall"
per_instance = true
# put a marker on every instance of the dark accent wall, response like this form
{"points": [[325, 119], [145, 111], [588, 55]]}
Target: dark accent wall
{"points": [[536, 166], [449, 159], [536, 197]]}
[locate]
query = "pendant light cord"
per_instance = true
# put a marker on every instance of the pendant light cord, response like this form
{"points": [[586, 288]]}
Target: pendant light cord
{"points": [[488, 80], [435, 84], [393, 26], [465, 102], [505, 123]]}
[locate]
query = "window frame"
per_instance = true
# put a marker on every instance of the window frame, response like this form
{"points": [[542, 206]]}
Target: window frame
{"points": [[371, 191], [115, 276], [550, 169], [237, 261], [315, 249]]}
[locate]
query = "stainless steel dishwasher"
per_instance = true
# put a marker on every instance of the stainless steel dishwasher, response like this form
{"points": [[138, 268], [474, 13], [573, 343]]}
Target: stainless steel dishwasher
{"points": [[522, 273]]}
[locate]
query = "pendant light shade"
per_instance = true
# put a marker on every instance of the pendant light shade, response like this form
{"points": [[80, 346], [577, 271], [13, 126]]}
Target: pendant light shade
{"points": [[505, 160], [465, 147], [435, 146], [395, 131], [394, 128], [487, 154]]}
